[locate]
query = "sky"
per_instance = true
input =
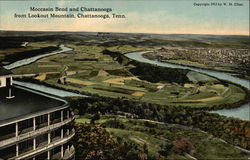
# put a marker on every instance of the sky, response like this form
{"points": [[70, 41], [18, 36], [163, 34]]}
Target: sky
{"points": [[158, 16]]}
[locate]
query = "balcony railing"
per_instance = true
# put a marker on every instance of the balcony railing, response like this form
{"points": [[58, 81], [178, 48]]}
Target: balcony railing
{"points": [[69, 152], [33, 133], [42, 144], [24, 150], [55, 121], [7, 136], [25, 130], [54, 139], [8, 156], [56, 155], [41, 125], [57, 142]]}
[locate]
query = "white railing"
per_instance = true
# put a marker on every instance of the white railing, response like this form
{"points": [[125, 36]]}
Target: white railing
{"points": [[34, 133], [44, 148]]}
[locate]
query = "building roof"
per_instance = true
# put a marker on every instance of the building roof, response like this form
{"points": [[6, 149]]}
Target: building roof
{"points": [[4, 72], [26, 103]]}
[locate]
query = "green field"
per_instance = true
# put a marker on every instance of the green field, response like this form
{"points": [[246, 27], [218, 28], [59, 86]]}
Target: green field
{"points": [[30, 46], [156, 135], [89, 70]]}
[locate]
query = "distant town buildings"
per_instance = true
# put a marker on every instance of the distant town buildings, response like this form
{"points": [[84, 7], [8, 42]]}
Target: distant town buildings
{"points": [[208, 56]]}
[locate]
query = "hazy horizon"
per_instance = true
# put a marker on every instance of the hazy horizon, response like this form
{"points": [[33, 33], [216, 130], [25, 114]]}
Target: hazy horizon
{"points": [[123, 32]]}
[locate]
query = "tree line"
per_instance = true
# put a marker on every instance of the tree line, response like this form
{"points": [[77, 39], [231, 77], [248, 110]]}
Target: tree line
{"points": [[232, 130]]}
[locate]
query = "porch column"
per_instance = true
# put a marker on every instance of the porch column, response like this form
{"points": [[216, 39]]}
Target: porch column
{"points": [[48, 155], [62, 133], [48, 119], [34, 143], [17, 150], [68, 131], [34, 123], [49, 138], [16, 129], [62, 151], [67, 114], [61, 115]]}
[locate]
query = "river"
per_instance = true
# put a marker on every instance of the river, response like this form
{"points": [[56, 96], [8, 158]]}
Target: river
{"points": [[35, 58], [242, 112], [38, 87], [48, 90]]}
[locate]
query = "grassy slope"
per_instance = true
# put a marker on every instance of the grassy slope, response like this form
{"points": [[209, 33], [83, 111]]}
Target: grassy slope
{"points": [[207, 147]]}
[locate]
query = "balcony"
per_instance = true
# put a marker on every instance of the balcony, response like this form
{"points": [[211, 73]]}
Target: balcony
{"points": [[26, 130], [7, 136], [29, 132], [54, 121], [41, 125], [44, 146], [8, 131], [8, 152], [8, 156], [56, 155], [69, 153]]}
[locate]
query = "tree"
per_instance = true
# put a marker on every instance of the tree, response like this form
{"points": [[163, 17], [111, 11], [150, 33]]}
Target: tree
{"points": [[145, 148], [76, 111], [91, 139], [95, 155], [142, 156], [183, 145], [94, 118], [165, 149]]}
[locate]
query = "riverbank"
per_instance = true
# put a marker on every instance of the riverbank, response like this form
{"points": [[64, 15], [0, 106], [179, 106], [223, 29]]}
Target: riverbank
{"points": [[28, 54], [220, 75], [244, 84], [231, 72], [93, 78], [30, 60], [232, 110]]}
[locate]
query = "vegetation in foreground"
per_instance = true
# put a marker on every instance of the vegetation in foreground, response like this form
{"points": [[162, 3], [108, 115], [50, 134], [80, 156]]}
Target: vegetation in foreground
{"points": [[231, 130], [112, 137]]}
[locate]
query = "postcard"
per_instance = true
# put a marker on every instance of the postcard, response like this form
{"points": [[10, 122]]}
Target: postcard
{"points": [[124, 80]]}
